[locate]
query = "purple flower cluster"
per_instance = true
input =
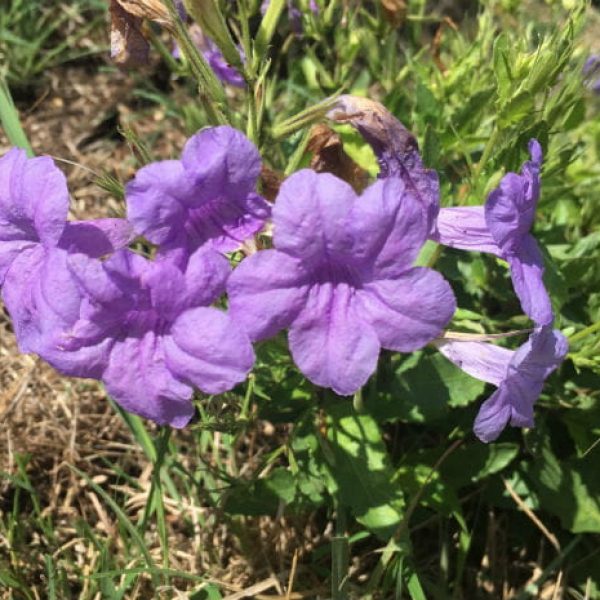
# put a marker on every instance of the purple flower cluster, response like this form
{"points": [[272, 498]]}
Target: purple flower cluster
{"points": [[340, 274], [501, 227]]}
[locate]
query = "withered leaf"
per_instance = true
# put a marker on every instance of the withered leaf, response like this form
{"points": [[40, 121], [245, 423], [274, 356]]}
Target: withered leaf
{"points": [[394, 11], [128, 46], [329, 157]]}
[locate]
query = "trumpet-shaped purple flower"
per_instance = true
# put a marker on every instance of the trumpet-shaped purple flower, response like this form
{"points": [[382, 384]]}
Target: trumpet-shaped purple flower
{"points": [[147, 331], [341, 278], [206, 197], [35, 240], [518, 374], [502, 227], [395, 147]]}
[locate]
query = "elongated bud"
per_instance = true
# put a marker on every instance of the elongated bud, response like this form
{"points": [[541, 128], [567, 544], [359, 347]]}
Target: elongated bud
{"points": [[210, 18]]}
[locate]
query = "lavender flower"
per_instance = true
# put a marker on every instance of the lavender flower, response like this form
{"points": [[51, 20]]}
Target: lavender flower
{"points": [[341, 278], [206, 197], [395, 147], [35, 241], [519, 376], [502, 227], [149, 333]]}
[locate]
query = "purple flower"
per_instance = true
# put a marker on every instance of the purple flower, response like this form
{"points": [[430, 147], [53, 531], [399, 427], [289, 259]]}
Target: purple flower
{"points": [[341, 278], [518, 374], [502, 227], [148, 333], [35, 241], [395, 147], [206, 197]]}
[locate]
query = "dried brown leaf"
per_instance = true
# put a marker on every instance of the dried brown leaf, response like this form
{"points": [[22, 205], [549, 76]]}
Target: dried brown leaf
{"points": [[128, 46], [329, 157], [394, 11]]}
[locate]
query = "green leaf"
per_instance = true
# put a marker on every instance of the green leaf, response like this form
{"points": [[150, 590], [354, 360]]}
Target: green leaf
{"points": [[473, 462], [261, 496], [516, 109], [568, 489], [423, 388], [502, 70], [361, 471]]}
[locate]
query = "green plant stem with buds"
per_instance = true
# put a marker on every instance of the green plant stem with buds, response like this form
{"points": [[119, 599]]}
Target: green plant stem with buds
{"points": [[212, 94], [576, 337]]}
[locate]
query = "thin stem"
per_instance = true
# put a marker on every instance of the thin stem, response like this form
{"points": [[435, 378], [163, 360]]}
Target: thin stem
{"points": [[584, 332], [487, 152]]}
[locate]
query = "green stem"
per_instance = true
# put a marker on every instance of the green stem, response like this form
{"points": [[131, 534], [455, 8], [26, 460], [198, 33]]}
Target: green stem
{"points": [[487, 152], [584, 332], [155, 497], [9, 117], [339, 555]]}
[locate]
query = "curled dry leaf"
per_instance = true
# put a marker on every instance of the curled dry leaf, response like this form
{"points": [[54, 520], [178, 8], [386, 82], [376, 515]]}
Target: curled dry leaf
{"points": [[128, 46], [270, 182], [329, 157], [148, 9]]}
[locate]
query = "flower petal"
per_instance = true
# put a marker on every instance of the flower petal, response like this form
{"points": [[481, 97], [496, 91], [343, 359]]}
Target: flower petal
{"points": [[206, 349], [331, 343], [481, 360], [138, 379], [34, 201], [96, 238], [44, 301], [493, 417], [222, 162], [464, 227], [155, 200], [388, 226], [527, 270], [510, 211], [266, 293], [311, 216], [410, 311]]}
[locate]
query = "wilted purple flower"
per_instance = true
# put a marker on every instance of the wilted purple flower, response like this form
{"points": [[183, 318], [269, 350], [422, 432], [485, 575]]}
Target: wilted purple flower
{"points": [[35, 240], [206, 197], [214, 57], [341, 278], [148, 333], [518, 374], [502, 227], [395, 147]]}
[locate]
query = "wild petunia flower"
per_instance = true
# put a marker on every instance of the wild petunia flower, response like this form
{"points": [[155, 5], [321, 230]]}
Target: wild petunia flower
{"points": [[35, 241], [502, 227], [341, 278], [207, 197], [395, 147], [518, 374], [148, 332]]}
